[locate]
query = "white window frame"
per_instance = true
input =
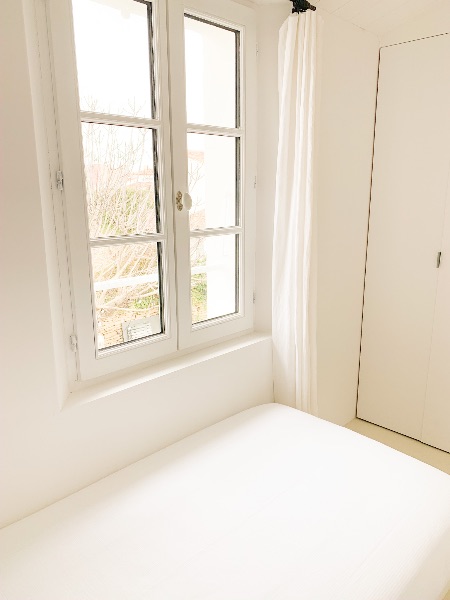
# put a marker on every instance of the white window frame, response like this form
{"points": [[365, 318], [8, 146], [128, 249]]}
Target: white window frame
{"points": [[179, 334], [240, 18]]}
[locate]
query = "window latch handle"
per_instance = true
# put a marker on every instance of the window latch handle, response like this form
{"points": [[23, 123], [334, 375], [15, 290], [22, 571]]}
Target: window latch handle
{"points": [[438, 260], [183, 201]]}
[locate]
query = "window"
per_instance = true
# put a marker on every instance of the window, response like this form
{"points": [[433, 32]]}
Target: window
{"points": [[158, 173]]}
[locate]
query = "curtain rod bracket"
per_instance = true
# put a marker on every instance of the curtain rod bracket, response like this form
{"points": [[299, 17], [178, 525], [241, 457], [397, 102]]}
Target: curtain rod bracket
{"points": [[301, 6]]}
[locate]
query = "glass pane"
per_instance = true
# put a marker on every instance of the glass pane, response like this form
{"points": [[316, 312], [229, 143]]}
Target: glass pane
{"points": [[127, 292], [213, 183], [113, 56], [212, 80], [214, 277], [120, 180]]}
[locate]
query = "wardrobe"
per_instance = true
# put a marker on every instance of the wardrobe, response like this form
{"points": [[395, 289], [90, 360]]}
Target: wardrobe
{"points": [[404, 378]]}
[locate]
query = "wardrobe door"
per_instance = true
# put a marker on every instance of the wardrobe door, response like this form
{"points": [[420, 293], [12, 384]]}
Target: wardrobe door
{"points": [[406, 222], [436, 421]]}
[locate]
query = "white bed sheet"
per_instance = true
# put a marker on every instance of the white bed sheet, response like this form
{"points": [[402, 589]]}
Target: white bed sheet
{"points": [[270, 504]]}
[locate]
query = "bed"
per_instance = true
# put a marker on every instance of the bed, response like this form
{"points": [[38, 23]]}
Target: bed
{"points": [[270, 504]]}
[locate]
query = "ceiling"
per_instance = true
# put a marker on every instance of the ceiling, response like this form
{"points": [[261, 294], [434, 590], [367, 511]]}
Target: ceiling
{"points": [[377, 16]]}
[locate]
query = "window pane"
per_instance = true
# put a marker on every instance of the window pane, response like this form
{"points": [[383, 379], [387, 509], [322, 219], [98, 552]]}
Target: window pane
{"points": [[120, 180], [214, 277], [127, 292], [212, 63], [213, 180], [113, 56]]}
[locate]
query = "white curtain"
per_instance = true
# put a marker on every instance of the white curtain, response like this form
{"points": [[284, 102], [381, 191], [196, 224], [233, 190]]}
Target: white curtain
{"points": [[294, 256]]}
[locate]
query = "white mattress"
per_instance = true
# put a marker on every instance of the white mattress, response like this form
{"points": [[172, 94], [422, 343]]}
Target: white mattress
{"points": [[269, 504]]}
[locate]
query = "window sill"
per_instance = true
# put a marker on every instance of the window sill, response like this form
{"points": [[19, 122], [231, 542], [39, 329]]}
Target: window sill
{"points": [[120, 383]]}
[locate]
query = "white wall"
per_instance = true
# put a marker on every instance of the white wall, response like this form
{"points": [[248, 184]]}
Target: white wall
{"points": [[48, 452], [345, 144], [431, 22], [345, 122]]}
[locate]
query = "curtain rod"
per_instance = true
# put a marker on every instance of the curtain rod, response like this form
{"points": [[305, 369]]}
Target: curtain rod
{"points": [[301, 6]]}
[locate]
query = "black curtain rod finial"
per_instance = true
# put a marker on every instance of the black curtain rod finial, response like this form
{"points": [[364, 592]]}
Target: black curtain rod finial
{"points": [[301, 6]]}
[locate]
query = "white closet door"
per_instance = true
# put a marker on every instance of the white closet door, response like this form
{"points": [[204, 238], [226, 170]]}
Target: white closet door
{"points": [[412, 150], [436, 421]]}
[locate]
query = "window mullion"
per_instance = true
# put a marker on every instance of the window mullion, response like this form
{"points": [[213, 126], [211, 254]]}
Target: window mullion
{"points": [[121, 240], [213, 130], [111, 119], [217, 231]]}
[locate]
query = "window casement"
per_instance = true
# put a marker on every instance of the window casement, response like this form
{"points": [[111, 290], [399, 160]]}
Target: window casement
{"points": [[155, 122]]}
